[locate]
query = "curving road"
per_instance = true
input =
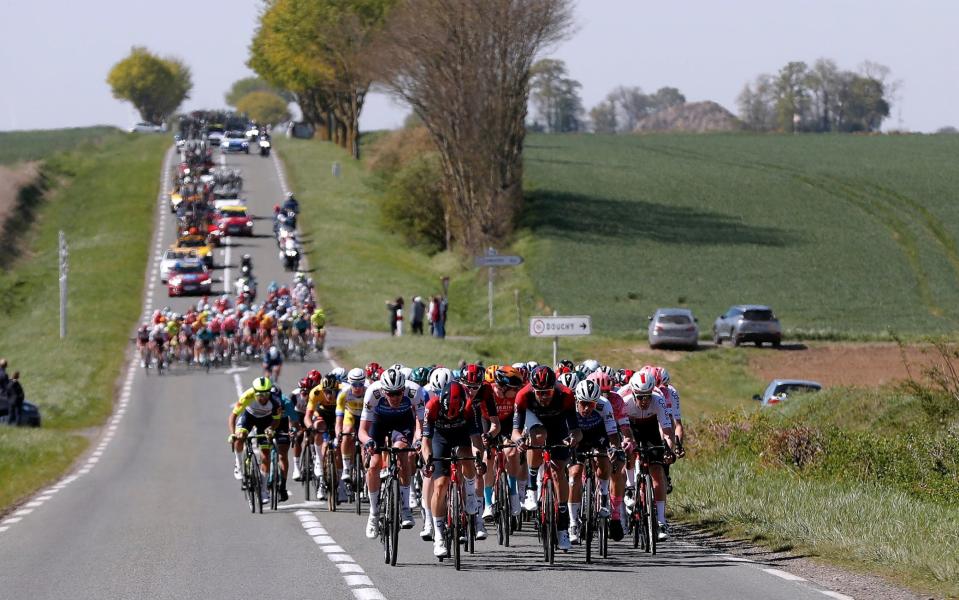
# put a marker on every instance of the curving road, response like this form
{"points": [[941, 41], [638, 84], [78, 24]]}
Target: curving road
{"points": [[154, 512]]}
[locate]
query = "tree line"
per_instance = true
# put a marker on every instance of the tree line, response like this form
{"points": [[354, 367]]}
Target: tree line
{"points": [[818, 98]]}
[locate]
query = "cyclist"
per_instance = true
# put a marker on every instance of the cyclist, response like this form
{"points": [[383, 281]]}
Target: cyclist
{"points": [[594, 415], [389, 417], [482, 397], [318, 321], [321, 418], [203, 350], [507, 382], [451, 422], [671, 396], [546, 415], [258, 407], [349, 408], [272, 362], [651, 426], [143, 342], [300, 397], [373, 371], [158, 337], [618, 479]]}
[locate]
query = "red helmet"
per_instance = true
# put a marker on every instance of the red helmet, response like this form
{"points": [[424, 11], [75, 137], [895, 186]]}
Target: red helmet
{"points": [[452, 400], [305, 384], [373, 371], [472, 375], [601, 379], [542, 378], [314, 376]]}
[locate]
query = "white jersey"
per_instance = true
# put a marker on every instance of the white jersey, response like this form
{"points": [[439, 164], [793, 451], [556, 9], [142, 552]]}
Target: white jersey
{"points": [[374, 392], [657, 408], [672, 401]]}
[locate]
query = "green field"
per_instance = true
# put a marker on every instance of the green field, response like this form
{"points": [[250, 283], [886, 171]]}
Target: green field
{"points": [[842, 235], [16, 146], [102, 195]]}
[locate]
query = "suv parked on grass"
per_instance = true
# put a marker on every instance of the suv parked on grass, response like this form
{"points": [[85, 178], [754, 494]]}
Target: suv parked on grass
{"points": [[748, 323]]}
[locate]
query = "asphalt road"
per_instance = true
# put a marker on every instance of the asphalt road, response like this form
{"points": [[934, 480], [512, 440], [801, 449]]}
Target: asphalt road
{"points": [[154, 512]]}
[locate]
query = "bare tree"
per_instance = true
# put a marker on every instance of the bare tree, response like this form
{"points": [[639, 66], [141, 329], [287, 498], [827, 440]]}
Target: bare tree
{"points": [[463, 66]]}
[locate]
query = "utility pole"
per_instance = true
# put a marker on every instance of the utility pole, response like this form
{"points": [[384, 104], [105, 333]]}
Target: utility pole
{"points": [[64, 268]]}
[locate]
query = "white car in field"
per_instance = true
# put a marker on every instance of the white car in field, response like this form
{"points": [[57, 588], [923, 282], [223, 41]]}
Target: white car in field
{"points": [[146, 128]]}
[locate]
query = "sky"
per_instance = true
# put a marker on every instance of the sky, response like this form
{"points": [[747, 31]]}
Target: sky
{"points": [[55, 55]]}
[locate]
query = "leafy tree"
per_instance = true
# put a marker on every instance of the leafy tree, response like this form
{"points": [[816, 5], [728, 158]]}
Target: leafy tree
{"points": [[603, 116], [155, 86], [666, 97], [632, 103], [792, 99], [864, 105], [556, 96], [242, 87], [264, 107]]}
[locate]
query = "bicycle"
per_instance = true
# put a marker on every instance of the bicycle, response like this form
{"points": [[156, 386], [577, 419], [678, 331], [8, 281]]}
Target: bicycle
{"points": [[643, 520], [307, 459], [548, 507], [389, 517], [502, 513], [592, 523], [356, 484], [332, 482], [252, 477], [275, 476], [460, 525]]}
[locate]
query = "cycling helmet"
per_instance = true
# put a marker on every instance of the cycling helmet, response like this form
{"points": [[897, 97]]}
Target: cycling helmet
{"points": [[472, 375], [523, 371], [339, 373], [662, 376], [452, 400], [420, 375], [393, 380], [398, 366], [440, 378], [602, 380], [490, 375], [274, 353], [530, 365], [407, 372], [262, 384], [568, 379], [566, 363], [590, 364], [305, 384], [314, 376], [331, 382], [272, 287], [508, 376], [542, 378], [642, 382], [373, 371], [610, 371], [457, 374], [587, 391], [625, 375], [356, 376]]}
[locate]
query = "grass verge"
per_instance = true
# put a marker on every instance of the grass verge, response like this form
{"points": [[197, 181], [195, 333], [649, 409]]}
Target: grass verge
{"points": [[16, 146], [103, 198]]}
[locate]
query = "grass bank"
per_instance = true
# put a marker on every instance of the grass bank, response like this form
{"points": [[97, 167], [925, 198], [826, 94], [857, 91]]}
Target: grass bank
{"points": [[17, 146], [103, 197]]}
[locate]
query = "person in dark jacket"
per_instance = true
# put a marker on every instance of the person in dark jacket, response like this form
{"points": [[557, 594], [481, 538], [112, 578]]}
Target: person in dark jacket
{"points": [[4, 379], [393, 308], [15, 394], [419, 310]]}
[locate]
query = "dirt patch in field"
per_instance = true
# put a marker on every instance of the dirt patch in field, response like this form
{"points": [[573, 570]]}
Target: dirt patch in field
{"points": [[865, 365], [12, 179]]}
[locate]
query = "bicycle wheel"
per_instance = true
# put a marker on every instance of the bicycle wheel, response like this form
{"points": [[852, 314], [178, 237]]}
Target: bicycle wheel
{"points": [[394, 518], [549, 537], [306, 467], [455, 517], [652, 524], [249, 480], [503, 512], [276, 478], [258, 484], [332, 478], [386, 513], [589, 515], [358, 479]]}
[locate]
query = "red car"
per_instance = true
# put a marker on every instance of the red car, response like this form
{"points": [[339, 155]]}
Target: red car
{"points": [[233, 220], [189, 276]]}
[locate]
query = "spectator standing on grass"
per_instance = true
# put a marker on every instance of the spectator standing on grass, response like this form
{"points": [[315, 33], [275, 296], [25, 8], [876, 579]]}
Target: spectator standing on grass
{"points": [[393, 307], [440, 325], [15, 394], [418, 311], [4, 379], [430, 312]]}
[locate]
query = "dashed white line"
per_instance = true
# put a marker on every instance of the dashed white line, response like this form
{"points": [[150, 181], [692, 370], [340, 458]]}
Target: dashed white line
{"points": [[353, 574], [784, 575], [239, 385]]}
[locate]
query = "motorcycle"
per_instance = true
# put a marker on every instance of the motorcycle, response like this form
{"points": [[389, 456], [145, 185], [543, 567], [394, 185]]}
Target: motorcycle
{"points": [[265, 146], [290, 254]]}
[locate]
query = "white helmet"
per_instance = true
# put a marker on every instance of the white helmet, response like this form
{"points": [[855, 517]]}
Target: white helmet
{"points": [[406, 372], [397, 366], [339, 373], [642, 382], [393, 380], [590, 365], [440, 378], [588, 391], [663, 376], [531, 365], [569, 379], [356, 376]]}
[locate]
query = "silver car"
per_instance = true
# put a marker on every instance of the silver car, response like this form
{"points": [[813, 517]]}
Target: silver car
{"points": [[779, 389], [748, 323], [673, 327]]}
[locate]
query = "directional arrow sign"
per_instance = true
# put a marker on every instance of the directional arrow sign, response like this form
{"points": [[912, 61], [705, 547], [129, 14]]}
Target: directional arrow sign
{"points": [[498, 261], [559, 326]]}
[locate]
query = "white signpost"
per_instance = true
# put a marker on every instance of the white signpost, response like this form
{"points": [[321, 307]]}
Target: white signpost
{"points": [[557, 326], [492, 260]]}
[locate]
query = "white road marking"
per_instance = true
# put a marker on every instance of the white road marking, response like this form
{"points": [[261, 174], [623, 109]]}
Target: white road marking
{"points": [[784, 575], [239, 385], [732, 558], [836, 595], [353, 574], [12, 520]]}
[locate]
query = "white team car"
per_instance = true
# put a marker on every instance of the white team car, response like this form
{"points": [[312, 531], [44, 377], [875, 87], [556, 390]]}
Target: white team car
{"points": [[146, 128], [171, 258]]}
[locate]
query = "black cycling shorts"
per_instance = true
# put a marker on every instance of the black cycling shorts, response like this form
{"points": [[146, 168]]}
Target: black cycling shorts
{"points": [[388, 430], [593, 439], [646, 433], [556, 432], [443, 442]]}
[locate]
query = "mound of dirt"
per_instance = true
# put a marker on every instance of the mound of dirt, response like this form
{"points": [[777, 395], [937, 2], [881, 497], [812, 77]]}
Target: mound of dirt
{"points": [[12, 179], [693, 117]]}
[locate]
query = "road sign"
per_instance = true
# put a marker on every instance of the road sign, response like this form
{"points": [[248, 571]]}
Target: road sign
{"points": [[560, 326], [498, 261]]}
